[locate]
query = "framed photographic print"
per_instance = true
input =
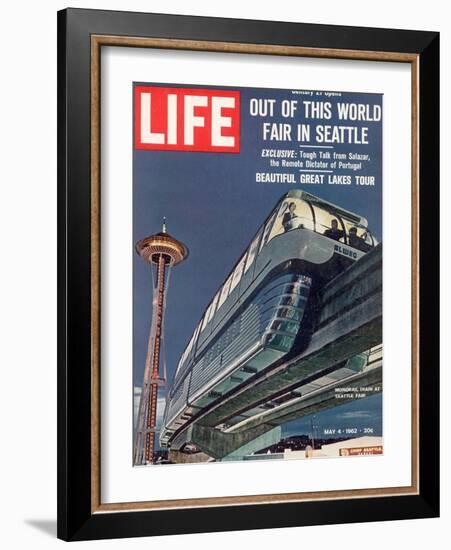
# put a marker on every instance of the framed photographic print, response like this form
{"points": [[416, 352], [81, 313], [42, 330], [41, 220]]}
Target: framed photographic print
{"points": [[248, 274]]}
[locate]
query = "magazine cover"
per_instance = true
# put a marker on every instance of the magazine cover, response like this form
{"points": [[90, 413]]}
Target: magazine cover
{"points": [[257, 271]]}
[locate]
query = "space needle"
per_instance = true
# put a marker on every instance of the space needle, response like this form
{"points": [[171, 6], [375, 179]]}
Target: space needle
{"points": [[162, 252]]}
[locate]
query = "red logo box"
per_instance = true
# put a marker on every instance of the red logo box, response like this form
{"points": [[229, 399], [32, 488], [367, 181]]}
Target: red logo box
{"points": [[187, 119]]}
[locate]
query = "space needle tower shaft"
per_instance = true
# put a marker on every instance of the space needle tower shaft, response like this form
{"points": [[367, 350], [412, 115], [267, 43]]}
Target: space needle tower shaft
{"points": [[162, 251]]}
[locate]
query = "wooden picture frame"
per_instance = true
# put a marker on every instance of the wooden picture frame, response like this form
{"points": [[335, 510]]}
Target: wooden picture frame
{"points": [[81, 35]]}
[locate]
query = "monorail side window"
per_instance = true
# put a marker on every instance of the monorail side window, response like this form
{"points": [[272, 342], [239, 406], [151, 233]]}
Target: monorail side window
{"points": [[198, 329], [329, 223], [224, 291], [196, 334], [267, 230], [293, 214], [252, 251], [357, 235], [205, 319], [189, 346], [180, 363], [236, 277], [213, 307]]}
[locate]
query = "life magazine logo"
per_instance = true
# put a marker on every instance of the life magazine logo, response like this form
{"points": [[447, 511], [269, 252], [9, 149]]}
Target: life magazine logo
{"points": [[187, 119]]}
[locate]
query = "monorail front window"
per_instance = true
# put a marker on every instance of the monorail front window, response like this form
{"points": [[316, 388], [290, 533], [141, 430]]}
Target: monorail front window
{"points": [[293, 214], [329, 224], [358, 236], [297, 213]]}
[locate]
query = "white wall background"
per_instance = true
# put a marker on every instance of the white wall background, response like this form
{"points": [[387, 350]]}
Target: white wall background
{"points": [[28, 279]]}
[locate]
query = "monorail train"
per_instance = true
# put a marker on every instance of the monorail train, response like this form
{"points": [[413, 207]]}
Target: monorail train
{"points": [[260, 313]]}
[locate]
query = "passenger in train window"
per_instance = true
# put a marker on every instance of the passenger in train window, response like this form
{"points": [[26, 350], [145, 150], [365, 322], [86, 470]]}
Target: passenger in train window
{"points": [[354, 239], [358, 242], [288, 217], [334, 233]]}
